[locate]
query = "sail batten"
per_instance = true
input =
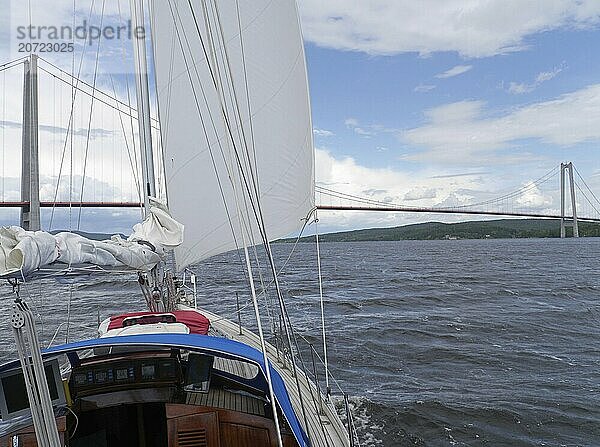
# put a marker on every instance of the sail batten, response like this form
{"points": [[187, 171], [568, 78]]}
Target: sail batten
{"points": [[235, 116]]}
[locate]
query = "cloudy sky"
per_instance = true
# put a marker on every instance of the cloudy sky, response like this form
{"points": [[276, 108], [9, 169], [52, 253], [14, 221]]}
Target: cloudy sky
{"points": [[436, 102], [421, 103]]}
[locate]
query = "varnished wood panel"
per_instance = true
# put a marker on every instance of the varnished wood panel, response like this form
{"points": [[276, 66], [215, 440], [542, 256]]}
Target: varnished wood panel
{"points": [[243, 435], [196, 430], [235, 429], [27, 435]]}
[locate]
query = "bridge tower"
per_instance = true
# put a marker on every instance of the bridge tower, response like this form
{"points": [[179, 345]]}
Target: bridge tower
{"points": [[30, 177], [565, 221]]}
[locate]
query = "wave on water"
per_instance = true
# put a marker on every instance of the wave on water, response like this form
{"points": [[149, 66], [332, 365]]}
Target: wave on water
{"points": [[489, 343]]}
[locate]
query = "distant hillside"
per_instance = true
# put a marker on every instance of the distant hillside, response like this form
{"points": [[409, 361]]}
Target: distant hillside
{"points": [[488, 229], [92, 236]]}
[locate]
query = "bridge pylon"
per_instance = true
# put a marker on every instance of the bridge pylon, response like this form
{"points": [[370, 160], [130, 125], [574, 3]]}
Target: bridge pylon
{"points": [[567, 221]]}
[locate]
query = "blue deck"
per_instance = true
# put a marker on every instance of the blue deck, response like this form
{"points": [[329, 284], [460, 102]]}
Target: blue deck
{"points": [[213, 345]]}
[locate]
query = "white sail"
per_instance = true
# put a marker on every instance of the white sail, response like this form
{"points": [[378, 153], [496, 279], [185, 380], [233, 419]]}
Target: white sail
{"points": [[234, 110], [23, 252]]}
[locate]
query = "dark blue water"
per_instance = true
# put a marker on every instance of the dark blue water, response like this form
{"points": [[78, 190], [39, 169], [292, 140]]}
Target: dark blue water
{"points": [[467, 343], [490, 342]]}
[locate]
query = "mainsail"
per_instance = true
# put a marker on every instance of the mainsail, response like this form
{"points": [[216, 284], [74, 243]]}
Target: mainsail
{"points": [[235, 120], [23, 252]]}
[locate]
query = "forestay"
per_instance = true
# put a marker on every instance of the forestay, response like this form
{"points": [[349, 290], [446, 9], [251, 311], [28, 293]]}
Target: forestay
{"points": [[235, 119]]}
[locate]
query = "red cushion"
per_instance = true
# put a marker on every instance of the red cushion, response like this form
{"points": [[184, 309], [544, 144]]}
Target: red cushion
{"points": [[196, 322]]}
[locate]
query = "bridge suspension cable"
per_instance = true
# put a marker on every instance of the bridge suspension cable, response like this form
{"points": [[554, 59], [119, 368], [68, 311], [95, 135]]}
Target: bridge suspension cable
{"points": [[508, 204], [526, 188]]}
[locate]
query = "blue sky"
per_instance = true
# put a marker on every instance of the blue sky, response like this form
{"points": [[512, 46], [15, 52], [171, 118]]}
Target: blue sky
{"points": [[433, 102], [501, 90], [396, 91]]}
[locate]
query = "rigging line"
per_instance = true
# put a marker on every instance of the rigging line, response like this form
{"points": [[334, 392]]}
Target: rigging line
{"points": [[87, 141], [256, 207], [205, 130], [322, 304], [258, 215], [230, 132], [208, 144], [164, 129], [223, 111], [161, 143], [224, 80], [131, 163], [70, 122], [233, 98], [585, 183], [248, 25], [260, 275], [3, 133], [235, 102], [259, 323], [308, 382], [320, 359], [248, 226], [309, 386], [156, 135], [131, 123], [73, 96], [54, 121], [246, 84], [304, 225]]}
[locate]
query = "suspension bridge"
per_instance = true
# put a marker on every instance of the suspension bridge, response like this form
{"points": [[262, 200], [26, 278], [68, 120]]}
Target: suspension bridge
{"points": [[575, 194], [86, 102]]}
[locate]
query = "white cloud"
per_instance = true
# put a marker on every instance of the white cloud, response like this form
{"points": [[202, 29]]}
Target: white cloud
{"points": [[461, 132], [473, 28], [518, 88], [424, 88], [384, 185], [368, 130], [533, 197], [352, 123], [544, 76], [428, 187], [454, 71], [547, 75], [420, 193], [323, 133]]}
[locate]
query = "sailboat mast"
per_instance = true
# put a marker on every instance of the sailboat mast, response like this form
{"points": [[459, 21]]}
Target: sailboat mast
{"points": [[143, 101]]}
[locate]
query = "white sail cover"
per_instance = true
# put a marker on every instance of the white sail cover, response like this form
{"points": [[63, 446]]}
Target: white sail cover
{"points": [[23, 252], [236, 121]]}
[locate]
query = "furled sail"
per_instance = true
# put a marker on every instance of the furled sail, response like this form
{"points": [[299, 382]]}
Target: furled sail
{"points": [[23, 252], [235, 120]]}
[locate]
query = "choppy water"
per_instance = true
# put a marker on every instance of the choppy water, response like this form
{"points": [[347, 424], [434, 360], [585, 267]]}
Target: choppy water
{"points": [[478, 343]]}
